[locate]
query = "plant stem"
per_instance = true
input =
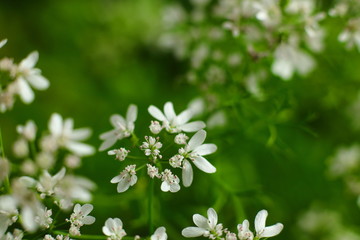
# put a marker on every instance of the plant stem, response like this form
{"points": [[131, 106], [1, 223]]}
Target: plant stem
{"points": [[84, 236], [6, 180], [150, 206]]}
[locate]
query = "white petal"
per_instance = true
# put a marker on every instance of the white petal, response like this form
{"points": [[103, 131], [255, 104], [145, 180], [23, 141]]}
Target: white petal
{"points": [[29, 61], [56, 124], [260, 220], [201, 221], [283, 69], [204, 165], [88, 220], [77, 208], [193, 232], [86, 209], [81, 149], [169, 111], [174, 187], [205, 149], [123, 185], [184, 116], [131, 113], [159, 234], [107, 143], [80, 134], [106, 230], [213, 218], [187, 173], [193, 126], [4, 223], [116, 179], [197, 139], [38, 82], [60, 174], [118, 222], [156, 113], [25, 92], [28, 181], [117, 120], [2, 43], [165, 187], [28, 217], [272, 230]]}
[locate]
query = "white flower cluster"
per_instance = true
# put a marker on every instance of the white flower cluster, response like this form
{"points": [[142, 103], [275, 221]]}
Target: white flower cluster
{"points": [[80, 217], [209, 228], [192, 150], [17, 79]]}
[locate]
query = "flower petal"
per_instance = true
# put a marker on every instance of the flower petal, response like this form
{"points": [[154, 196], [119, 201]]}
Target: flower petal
{"points": [[201, 221], [108, 143], [205, 149], [24, 90], [272, 230], [204, 165], [29, 61], [213, 218], [193, 232], [131, 113], [88, 220], [80, 134], [169, 111], [197, 139], [37, 81], [2, 43], [81, 149], [187, 173], [193, 126], [122, 186], [117, 121], [260, 220], [56, 124], [184, 116], [165, 187], [86, 209], [156, 113]]}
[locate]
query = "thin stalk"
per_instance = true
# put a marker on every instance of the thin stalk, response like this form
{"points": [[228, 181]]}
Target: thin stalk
{"points": [[150, 206], [6, 180], [84, 236]]}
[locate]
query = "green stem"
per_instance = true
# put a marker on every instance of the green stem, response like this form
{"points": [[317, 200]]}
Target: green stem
{"points": [[33, 150], [84, 236], [135, 157], [6, 180], [142, 166], [150, 206]]}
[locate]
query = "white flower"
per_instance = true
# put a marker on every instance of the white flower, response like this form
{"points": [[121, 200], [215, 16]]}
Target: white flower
{"points": [[206, 227], [21, 148], [122, 128], [194, 151], [243, 231], [126, 178], [114, 229], [72, 161], [351, 34], [43, 217], [3, 42], [159, 234], [151, 147], [153, 171], [80, 217], [48, 183], [290, 59], [68, 137], [28, 131], [170, 181], [176, 161], [176, 123], [120, 153], [261, 230], [181, 138], [27, 74], [8, 213], [155, 127]]}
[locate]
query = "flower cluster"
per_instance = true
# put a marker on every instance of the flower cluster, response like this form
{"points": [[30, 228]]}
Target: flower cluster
{"points": [[192, 150], [16, 79], [209, 228]]}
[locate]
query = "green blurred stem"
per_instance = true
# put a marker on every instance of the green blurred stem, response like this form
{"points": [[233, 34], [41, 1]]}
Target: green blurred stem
{"points": [[142, 166], [33, 150], [150, 207], [135, 157], [134, 139], [6, 180]]}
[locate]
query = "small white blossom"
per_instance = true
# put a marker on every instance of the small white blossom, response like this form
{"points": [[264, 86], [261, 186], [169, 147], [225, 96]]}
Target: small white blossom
{"points": [[126, 178], [68, 137], [153, 171], [230, 236], [114, 229], [244, 232], [181, 139], [265, 232], [120, 154], [351, 34], [45, 160], [8, 213], [170, 181], [43, 217], [80, 217], [123, 128], [72, 161], [206, 227], [29, 167], [48, 183], [176, 123], [28, 131], [155, 127], [21, 148], [27, 74], [151, 147], [194, 151], [176, 161], [159, 234]]}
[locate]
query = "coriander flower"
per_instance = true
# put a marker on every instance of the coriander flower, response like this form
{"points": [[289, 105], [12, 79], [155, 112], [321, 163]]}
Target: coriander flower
{"points": [[152, 171], [244, 232], [43, 217], [151, 147], [265, 232], [170, 181], [28, 131], [114, 229], [47, 184], [194, 151], [125, 179], [120, 154], [62, 130], [206, 227], [80, 217], [27, 74], [159, 234], [8, 213], [123, 128], [176, 123]]}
